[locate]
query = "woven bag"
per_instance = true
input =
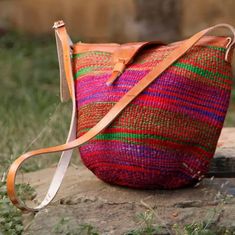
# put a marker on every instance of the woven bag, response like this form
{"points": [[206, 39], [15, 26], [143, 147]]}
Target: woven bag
{"points": [[145, 115]]}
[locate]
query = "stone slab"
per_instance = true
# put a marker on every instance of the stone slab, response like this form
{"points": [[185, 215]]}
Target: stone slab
{"points": [[84, 199], [223, 163]]}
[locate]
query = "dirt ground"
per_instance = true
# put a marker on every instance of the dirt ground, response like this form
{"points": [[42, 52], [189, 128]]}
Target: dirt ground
{"points": [[84, 199]]}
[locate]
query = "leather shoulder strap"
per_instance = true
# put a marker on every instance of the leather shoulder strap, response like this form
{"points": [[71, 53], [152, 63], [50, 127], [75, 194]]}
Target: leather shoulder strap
{"points": [[64, 43], [109, 117]]}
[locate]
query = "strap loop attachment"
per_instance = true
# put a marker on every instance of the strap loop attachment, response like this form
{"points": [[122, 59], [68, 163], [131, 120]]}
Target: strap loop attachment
{"points": [[118, 69], [58, 24]]}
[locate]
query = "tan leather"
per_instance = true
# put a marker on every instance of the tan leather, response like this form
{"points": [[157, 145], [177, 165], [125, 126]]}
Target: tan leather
{"points": [[126, 52], [64, 57], [118, 69], [112, 114], [63, 42], [111, 47], [124, 55], [218, 41], [62, 49], [81, 47]]}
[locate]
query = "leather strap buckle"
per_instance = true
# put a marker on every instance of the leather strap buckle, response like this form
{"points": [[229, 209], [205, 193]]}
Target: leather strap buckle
{"points": [[58, 24]]}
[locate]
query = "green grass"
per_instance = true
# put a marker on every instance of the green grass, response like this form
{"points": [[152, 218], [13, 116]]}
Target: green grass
{"points": [[64, 227], [31, 115], [11, 221], [146, 225]]}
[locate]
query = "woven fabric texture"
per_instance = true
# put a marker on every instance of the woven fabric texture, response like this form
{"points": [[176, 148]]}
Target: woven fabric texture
{"points": [[167, 136]]}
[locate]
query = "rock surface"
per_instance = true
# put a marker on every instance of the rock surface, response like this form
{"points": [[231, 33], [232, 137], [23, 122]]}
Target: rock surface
{"points": [[84, 199]]}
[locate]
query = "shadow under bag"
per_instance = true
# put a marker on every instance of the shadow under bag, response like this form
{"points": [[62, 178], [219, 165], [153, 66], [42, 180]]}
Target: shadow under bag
{"points": [[145, 115]]}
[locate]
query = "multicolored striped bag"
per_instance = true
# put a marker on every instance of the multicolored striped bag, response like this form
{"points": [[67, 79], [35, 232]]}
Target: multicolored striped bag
{"points": [[145, 115]]}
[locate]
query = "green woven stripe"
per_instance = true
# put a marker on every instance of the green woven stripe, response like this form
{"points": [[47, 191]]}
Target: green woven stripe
{"points": [[209, 58], [189, 67], [217, 48], [83, 71], [78, 55], [201, 72], [135, 137]]}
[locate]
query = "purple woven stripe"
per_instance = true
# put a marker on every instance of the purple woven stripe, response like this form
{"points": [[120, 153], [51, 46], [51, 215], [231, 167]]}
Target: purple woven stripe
{"points": [[114, 97], [154, 93], [141, 152], [97, 94], [166, 161], [169, 82], [102, 97]]}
